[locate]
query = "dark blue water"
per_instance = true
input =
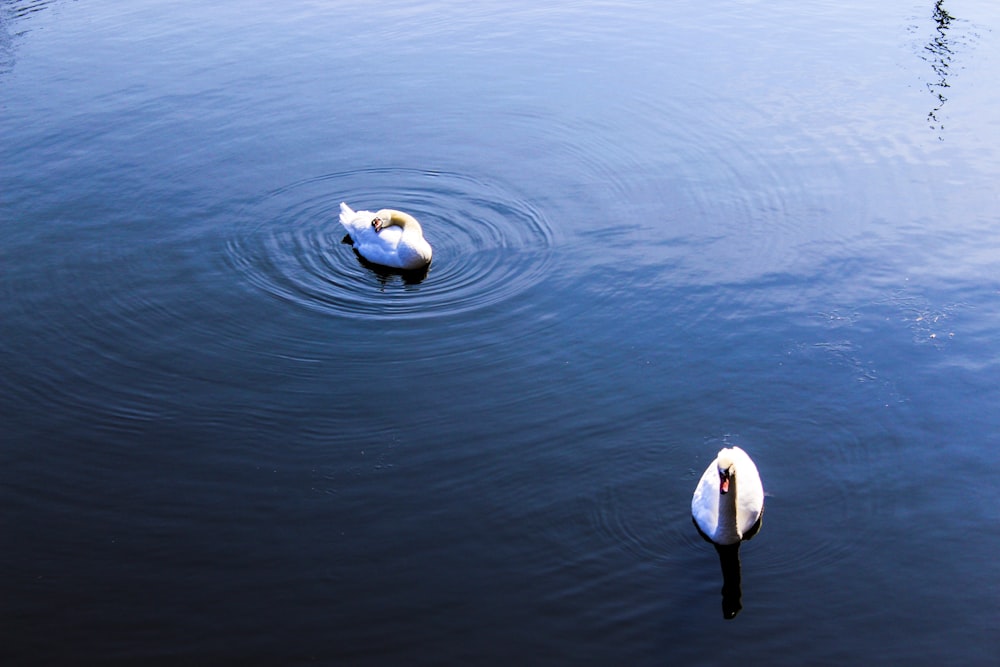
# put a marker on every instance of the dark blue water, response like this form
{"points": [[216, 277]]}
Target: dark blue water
{"points": [[658, 230]]}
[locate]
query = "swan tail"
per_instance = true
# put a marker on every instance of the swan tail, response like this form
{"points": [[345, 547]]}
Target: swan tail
{"points": [[353, 221], [346, 214]]}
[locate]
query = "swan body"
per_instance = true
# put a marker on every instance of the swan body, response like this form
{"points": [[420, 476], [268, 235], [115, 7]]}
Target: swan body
{"points": [[388, 238], [729, 499]]}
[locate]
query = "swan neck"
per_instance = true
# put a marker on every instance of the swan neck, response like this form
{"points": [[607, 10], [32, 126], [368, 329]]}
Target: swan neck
{"points": [[728, 525], [406, 221]]}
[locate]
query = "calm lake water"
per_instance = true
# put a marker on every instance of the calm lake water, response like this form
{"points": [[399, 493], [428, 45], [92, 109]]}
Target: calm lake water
{"points": [[659, 229]]}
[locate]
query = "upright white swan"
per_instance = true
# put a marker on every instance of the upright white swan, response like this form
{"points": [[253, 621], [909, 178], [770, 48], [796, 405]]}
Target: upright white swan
{"points": [[729, 499], [388, 238]]}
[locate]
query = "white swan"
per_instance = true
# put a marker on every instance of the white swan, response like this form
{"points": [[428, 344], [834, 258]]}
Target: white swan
{"points": [[729, 499], [389, 238]]}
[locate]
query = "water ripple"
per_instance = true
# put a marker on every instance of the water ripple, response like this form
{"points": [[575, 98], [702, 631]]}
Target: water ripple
{"points": [[651, 524], [489, 245]]}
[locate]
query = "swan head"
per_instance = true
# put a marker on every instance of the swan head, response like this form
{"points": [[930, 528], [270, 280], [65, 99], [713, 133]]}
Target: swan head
{"points": [[727, 470], [385, 218]]}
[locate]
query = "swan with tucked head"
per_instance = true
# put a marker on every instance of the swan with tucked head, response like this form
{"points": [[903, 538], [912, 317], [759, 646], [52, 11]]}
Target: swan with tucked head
{"points": [[388, 238], [729, 500]]}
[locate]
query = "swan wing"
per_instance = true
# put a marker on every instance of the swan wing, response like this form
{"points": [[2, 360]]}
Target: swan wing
{"points": [[380, 247], [705, 502]]}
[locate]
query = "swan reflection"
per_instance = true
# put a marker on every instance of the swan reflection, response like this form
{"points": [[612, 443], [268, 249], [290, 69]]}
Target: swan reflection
{"points": [[732, 578], [939, 54], [732, 588]]}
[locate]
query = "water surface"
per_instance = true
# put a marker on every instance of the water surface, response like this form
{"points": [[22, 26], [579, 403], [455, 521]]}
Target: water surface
{"points": [[658, 231]]}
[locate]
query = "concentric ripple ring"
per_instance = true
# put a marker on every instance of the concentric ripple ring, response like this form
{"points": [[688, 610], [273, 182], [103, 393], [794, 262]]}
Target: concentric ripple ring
{"points": [[489, 245]]}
